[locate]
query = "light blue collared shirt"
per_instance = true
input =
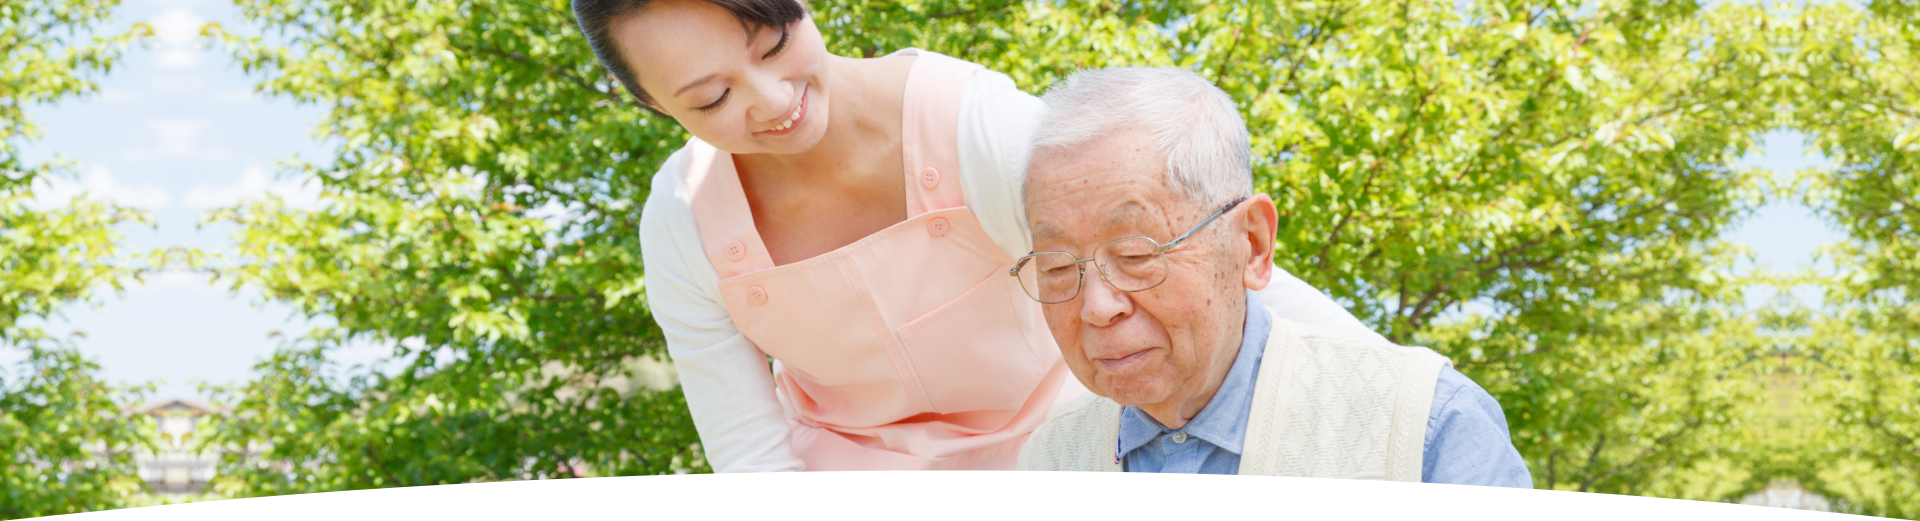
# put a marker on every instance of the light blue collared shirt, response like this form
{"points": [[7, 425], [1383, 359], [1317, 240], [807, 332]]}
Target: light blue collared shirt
{"points": [[1467, 441]]}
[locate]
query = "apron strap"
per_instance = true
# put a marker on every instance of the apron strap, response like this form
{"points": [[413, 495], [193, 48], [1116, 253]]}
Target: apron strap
{"points": [[930, 132], [720, 210]]}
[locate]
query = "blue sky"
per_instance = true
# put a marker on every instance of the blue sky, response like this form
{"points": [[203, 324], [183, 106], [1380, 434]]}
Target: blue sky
{"points": [[176, 130]]}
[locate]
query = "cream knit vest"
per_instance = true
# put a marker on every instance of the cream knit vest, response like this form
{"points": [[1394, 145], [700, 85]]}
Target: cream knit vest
{"points": [[1324, 405]]}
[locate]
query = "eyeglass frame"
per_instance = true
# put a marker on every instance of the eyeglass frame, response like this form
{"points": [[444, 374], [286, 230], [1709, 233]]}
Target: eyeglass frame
{"points": [[1081, 264]]}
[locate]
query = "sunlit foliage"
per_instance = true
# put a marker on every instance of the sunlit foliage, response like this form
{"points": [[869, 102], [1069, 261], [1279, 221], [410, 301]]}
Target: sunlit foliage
{"points": [[65, 439], [1859, 98]]}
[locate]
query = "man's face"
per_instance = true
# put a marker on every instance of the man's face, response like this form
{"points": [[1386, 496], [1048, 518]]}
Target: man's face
{"points": [[1155, 347]]}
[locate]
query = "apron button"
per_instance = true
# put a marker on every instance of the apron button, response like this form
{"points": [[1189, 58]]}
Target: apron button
{"points": [[736, 251], [757, 295], [929, 178], [938, 226]]}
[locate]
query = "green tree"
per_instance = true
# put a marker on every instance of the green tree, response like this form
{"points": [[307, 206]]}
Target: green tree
{"points": [[1860, 100], [481, 215], [1535, 189], [54, 412]]}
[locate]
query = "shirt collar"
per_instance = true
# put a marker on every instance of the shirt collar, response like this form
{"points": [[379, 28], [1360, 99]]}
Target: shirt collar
{"points": [[1223, 422]]}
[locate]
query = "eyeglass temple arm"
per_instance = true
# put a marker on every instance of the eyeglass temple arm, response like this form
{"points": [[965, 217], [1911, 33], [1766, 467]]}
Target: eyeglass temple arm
{"points": [[1203, 223], [1015, 272]]}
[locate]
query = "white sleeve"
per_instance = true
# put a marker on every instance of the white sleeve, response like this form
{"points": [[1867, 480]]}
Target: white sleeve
{"points": [[1293, 299], [996, 132], [727, 382], [997, 121]]}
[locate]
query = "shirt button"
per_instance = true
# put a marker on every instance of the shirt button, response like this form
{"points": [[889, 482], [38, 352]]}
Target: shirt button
{"points": [[736, 251], [1180, 437], [757, 295], [929, 178], [938, 226]]}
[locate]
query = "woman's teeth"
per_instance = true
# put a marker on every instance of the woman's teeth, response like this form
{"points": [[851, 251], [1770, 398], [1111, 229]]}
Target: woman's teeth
{"points": [[789, 122]]}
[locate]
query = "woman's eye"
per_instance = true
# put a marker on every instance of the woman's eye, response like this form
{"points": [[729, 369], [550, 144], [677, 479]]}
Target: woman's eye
{"points": [[716, 103], [785, 33]]}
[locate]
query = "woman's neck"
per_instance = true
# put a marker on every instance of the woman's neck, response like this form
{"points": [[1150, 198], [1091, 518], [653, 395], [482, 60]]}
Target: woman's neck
{"points": [[851, 184]]}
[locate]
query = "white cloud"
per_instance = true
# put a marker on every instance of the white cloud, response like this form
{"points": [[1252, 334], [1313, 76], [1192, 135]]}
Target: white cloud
{"points": [[117, 96], [179, 138], [176, 29], [172, 279], [242, 96], [254, 184], [100, 184], [188, 85], [178, 59]]}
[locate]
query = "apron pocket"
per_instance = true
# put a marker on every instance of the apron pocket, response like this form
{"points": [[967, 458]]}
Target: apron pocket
{"points": [[970, 354]]}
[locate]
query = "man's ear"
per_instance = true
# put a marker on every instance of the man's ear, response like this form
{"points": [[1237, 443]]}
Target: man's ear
{"points": [[1261, 223]]}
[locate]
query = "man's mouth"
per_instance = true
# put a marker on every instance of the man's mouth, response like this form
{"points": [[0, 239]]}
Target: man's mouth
{"points": [[1124, 363]]}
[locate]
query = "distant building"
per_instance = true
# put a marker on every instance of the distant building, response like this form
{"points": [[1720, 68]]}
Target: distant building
{"points": [[175, 469], [1786, 494]]}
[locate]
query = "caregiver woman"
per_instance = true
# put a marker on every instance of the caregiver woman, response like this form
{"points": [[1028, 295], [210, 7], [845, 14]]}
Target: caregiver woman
{"points": [[852, 219]]}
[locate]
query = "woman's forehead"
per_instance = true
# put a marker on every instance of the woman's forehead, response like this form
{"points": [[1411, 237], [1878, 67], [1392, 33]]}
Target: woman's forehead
{"points": [[671, 43]]}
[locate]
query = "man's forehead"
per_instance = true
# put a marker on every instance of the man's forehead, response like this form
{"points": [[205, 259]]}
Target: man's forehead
{"points": [[1096, 218], [1108, 184], [1122, 150]]}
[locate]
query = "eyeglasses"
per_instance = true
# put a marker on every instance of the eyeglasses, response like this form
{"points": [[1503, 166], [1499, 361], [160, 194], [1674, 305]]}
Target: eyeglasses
{"points": [[1131, 264]]}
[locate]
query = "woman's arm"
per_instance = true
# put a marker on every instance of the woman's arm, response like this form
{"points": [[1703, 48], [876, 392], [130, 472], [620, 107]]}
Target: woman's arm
{"points": [[996, 129], [1293, 299], [727, 382]]}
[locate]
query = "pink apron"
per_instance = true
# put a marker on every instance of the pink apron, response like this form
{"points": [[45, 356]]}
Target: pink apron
{"points": [[910, 349]]}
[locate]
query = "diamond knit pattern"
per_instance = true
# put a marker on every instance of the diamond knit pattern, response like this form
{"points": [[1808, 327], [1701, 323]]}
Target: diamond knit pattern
{"points": [[1325, 405], [1074, 440]]}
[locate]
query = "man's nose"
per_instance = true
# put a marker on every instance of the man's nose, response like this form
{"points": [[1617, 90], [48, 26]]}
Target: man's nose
{"points": [[1100, 304]]}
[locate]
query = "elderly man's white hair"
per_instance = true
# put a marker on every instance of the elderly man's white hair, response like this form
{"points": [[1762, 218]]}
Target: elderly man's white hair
{"points": [[1195, 126]]}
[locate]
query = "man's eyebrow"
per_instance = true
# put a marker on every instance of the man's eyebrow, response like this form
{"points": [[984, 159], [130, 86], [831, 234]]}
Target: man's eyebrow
{"points": [[1045, 230], [1127, 214], [702, 81]]}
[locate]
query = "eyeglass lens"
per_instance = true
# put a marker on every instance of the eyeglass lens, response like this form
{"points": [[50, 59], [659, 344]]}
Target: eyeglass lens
{"points": [[1134, 264]]}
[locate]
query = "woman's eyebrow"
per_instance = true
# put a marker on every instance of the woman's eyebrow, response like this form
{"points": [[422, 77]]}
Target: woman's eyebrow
{"points": [[752, 36], [702, 81]]}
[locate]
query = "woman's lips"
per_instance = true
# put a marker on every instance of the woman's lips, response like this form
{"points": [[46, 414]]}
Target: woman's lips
{"points": [[797, 120]]}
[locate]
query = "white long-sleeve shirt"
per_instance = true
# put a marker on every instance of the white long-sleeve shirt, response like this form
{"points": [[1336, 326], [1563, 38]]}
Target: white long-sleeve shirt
{"points": [[727, 381]]}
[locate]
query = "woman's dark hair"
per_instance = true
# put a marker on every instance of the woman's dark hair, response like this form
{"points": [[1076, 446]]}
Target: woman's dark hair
{"points": [[596, 18]]}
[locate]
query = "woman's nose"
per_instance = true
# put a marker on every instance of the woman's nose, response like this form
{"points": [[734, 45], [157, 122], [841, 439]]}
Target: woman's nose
{"points": [[772, 98]]}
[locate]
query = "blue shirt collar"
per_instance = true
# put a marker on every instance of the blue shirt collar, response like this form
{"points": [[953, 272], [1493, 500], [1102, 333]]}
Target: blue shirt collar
{"points": [[1223, 422]]}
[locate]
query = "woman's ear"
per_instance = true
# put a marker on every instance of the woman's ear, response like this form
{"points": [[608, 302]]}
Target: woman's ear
{"points": [[1261, 223]]}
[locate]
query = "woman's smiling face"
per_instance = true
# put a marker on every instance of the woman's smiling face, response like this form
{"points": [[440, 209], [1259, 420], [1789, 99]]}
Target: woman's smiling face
{"points": [[745, 92]]}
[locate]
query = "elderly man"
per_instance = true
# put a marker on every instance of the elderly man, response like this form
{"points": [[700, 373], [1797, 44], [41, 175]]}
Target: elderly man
{"points": [[1149, 243]]}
